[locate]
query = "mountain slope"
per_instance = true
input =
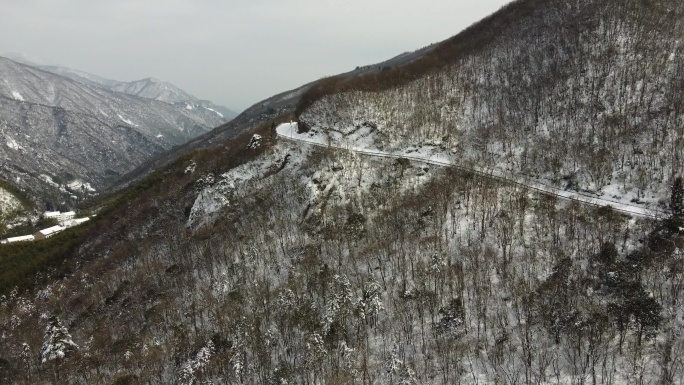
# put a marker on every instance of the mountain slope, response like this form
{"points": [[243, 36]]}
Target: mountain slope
{"points": [[79, 76], [586, 97], [149, 88], [56, 129], [156, 89], [283, 104], [261, 261], [152, 88]]}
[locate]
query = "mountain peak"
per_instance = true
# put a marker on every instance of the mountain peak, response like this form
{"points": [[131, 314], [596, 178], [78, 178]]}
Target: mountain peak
{"points": [[153, 88], [27, 59]]}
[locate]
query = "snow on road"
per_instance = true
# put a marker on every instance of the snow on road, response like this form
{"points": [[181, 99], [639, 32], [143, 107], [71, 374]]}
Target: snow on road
{"points": [[436, 156]]}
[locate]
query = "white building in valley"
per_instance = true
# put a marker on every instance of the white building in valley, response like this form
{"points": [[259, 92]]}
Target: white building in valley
{"points": [[59, 216], [47, 233], [23, 238], [74, 222], [66, 220]]}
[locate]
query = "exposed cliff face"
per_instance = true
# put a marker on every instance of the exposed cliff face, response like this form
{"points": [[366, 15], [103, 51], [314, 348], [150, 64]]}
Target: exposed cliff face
{"points": [[54, 128]]}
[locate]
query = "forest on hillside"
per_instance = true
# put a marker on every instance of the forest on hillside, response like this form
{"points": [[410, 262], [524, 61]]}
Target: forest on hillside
{"points": [[584, 94], [259, 261], [343, 269]]}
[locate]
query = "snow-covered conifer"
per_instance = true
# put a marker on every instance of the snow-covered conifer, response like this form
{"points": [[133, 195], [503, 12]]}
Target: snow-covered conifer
{"points": [[370, 304], [200, 361], [339, 303], [315, 350], [57, 343]]}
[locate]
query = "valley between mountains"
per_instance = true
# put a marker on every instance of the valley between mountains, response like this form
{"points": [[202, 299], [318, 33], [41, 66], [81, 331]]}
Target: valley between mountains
{"points": [[65, 140]]}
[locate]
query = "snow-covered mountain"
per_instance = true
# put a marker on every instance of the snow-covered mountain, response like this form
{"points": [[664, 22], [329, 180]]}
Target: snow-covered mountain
{"points": [[55, 129], [79, 76], [583, 98], [150, 88], [261, 258]]}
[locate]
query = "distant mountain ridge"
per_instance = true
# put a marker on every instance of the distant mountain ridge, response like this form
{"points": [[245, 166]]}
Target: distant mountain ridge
{"points": [[149, 88], [79, 76], [55, 129], [153, 88]]}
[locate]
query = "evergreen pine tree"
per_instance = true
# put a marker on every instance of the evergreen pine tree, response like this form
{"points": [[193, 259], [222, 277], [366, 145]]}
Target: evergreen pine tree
{"points": [[57, 343]]}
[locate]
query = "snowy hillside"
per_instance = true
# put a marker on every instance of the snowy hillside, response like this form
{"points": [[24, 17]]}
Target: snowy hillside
{"points": [[9, 204], [297, 264], [398, 233], [363, 142], [595, 110]]}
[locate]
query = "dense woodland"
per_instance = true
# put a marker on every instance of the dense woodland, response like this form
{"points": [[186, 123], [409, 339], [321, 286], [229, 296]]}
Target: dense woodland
{"points": [[585, 94], [342, 269], [281, 263]]}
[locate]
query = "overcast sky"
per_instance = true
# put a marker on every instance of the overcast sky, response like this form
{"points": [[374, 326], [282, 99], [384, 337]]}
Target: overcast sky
{"points": [[234, 53]]}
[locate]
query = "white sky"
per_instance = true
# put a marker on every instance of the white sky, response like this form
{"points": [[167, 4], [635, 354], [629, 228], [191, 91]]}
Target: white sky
{"points": [[234, 53]]}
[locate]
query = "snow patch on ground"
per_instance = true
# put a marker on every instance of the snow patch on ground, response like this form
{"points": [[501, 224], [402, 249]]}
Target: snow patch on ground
{"points": [[217, 192], [209, 202], [214, 111], [11, 143], [8, 202], [80, 185], [47, 179], [191, 167], [254, 142], [17, 96], [126, 121]]}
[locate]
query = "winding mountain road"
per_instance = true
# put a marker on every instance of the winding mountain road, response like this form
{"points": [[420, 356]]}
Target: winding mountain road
{"points": [[288, 131]]}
